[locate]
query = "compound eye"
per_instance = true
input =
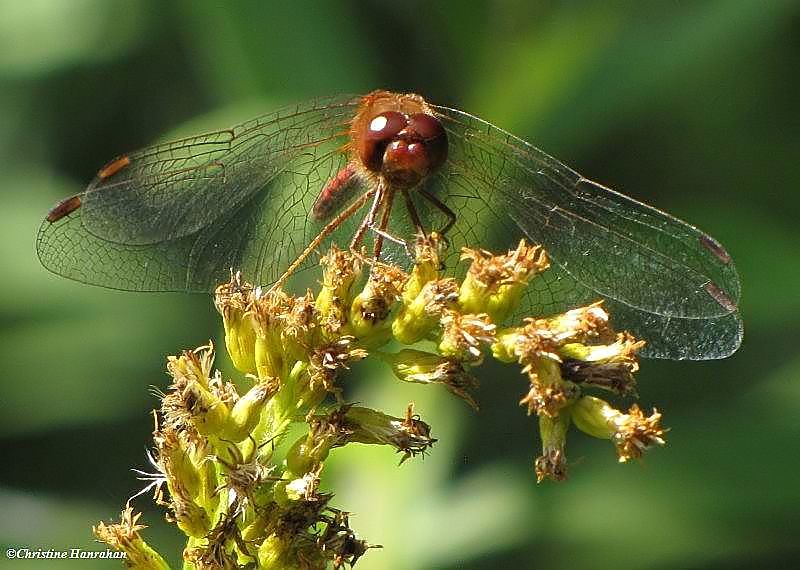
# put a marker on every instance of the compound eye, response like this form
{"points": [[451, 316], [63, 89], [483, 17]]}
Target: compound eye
{"points": [[380, 131], [386, 126], [427, 127], [430, 130]]}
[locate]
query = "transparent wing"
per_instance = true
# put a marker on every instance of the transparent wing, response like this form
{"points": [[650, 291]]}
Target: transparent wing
{"points": [[663, 279], [178, 216]]}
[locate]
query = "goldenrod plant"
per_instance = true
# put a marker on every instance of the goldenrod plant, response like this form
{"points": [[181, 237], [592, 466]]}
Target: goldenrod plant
{"points": [[245, 498]]}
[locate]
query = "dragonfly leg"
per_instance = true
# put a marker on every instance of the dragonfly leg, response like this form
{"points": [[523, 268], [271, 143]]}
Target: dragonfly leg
{"points": [[329, 228], [384, 199], [369, 219], [414, 215], [412, 212], [401, 242], [380, 230], [451, 216]]}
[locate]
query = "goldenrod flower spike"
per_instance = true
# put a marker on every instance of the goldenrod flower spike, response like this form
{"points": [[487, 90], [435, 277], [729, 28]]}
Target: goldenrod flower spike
{"points": [[244, 500]]}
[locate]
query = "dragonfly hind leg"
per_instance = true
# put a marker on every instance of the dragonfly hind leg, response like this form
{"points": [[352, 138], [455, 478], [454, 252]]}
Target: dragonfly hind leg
{"points": [[329, 228]]}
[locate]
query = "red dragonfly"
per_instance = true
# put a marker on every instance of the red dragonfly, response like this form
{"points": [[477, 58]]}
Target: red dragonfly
{"points": [[263, 196]]}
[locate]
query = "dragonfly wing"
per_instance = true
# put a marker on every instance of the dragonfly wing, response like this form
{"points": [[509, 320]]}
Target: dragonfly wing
{"points": [[267, 233], [148, 221], [173, 189], [665, 280], [673, 338]]}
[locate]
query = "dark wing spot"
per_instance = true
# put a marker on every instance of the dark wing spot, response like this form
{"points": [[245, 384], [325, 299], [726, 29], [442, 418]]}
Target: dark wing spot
{"points": [[114, 166], [720, 296], [64, 208], [715, 248]]}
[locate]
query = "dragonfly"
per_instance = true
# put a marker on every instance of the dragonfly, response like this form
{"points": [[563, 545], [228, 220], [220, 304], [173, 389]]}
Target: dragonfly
{"points": [[265, 196]]}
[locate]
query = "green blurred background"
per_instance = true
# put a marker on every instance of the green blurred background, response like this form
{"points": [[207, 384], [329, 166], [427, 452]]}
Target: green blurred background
{"points": [[690, 106]]}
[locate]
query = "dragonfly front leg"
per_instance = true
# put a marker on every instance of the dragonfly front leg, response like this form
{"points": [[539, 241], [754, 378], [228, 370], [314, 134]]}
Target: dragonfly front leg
{"points": [[384, 199], [369, 219]]}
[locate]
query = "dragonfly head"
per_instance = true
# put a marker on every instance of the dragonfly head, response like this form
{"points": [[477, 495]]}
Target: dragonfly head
{"points": [[397, 137]]}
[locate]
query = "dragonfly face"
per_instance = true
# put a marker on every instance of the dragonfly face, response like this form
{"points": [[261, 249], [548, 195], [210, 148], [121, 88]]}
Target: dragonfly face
{"points": [[398, 138], [177, 216]]}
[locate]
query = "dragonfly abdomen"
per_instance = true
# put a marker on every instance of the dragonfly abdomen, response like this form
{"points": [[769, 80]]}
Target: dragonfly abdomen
{"points": [[334, 194]]}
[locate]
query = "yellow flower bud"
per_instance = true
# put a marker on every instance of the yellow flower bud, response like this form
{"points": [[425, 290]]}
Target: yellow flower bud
{"points": [[232, 300], [411, 365], [274, 554], [504, 348], [464, 335], [427, 266], [371, 309], [340, 271], [552, 463], [247, 410]]}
